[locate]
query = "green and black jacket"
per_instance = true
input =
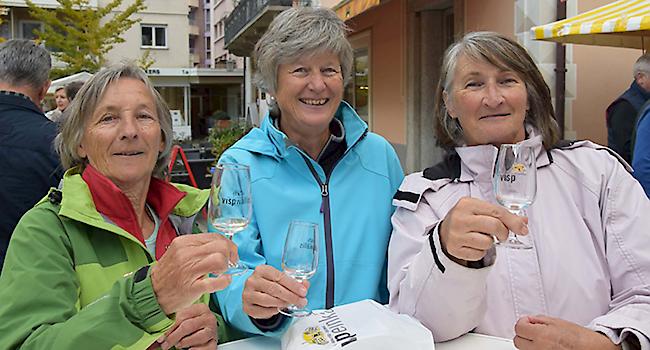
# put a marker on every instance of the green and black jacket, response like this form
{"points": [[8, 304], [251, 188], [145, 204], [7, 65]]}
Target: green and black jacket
{"points": [[68, 279]]}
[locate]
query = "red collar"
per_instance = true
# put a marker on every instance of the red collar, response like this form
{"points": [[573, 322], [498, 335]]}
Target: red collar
{"points": [[112, 202]]}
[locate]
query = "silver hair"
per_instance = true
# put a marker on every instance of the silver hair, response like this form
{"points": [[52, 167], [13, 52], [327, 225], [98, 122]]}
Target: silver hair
{"points": [[296, 33], [642, 65], [23, 63], [506, 54], [82, 107]]}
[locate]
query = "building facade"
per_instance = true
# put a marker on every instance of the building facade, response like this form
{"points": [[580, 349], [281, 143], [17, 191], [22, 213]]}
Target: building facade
{"points": [[399, 47], [176, 36], [220, 56]]}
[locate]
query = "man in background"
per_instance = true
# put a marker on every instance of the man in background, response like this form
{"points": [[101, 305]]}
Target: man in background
{"points": [[622, 113], [29, 165]]}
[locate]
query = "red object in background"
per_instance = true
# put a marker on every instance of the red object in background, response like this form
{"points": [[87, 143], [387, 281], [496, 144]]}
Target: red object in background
{"points": [[176, 150]]}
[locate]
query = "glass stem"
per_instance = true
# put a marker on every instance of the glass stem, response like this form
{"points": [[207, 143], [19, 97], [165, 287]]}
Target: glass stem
{"points": [[516, 212]]}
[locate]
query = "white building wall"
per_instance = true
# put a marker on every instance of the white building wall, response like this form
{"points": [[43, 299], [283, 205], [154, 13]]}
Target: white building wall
{"points": [[172, 13], [530, 13]]}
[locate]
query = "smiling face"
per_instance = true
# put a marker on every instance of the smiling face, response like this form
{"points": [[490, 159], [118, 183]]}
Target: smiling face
{"points": [[489, 103], [122, 139], [309, 92], [61, 99]]}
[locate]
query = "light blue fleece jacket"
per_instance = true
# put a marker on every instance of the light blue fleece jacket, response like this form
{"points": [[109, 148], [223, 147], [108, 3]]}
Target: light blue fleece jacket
{"points": [[360, 188]]}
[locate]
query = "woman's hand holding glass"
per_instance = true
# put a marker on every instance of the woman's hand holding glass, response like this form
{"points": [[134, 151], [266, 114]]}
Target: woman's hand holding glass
{"points": [[300, 258], [230, 207], [515, 184], [468, 230], [269, 289], [179, 278]]}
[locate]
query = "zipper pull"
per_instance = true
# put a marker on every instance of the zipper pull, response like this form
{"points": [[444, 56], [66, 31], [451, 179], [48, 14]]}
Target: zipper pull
{"points": [[323, 190]]}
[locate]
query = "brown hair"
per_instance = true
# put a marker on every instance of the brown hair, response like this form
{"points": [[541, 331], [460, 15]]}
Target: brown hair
{"points": [[506, 54]]}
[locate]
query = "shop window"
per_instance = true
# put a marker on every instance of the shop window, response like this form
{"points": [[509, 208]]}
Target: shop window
{"points": [[357, 93]]}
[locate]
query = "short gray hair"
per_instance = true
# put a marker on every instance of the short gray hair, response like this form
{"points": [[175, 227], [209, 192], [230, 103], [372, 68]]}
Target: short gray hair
{"points": [[506, 54], [297, 32], [642, 65], [84, 104], [23, 63]]}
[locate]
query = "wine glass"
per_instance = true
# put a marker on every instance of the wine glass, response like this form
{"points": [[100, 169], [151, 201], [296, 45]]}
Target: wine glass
{"points": [[300, 258], [230, 207], [515, 184]]}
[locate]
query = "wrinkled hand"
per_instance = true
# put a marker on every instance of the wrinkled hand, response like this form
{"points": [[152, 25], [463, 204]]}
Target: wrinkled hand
{"points": [[543, 332], [181, 276], [195, 328], [467, 231], [268, 289]]}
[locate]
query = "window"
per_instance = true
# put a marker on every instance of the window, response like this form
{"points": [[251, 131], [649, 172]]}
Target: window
{"points": [[27, 29], [5, 30], [356, 93], [154, 36]]}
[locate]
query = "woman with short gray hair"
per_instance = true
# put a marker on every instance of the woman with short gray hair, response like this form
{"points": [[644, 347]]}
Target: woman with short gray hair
{"points": [[577, 279], [312, 159], [79, 271], [72, 132]]}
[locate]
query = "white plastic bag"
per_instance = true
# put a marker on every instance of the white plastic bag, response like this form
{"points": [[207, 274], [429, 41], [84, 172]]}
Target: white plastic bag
{"points": [[364, 325]]}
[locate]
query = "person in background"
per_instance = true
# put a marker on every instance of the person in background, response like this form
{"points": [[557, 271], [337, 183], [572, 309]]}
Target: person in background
{"points": [[62, 102], [641, 148], [72, 89], [585, 284], [312, 159], [80, 271], [622, 113], [30, 165]]}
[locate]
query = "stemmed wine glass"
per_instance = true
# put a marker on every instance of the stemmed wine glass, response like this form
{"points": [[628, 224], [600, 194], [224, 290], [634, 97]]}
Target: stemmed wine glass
{"points": [[300, 258], [515, 184], [230, 207]]}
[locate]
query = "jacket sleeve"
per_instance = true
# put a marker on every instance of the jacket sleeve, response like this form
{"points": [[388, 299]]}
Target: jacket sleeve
{"points": [[41, 286], [446, 297], [621, 126], [251, 255], [641, 159], [624, 215]]}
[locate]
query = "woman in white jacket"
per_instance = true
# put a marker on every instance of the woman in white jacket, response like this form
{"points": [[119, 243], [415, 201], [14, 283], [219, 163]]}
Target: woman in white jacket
{"points": [[585, 284]]}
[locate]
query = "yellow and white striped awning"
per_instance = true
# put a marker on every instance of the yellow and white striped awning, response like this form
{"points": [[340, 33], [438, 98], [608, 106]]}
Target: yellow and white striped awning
{"points": [[347, 9], [623, 23]]}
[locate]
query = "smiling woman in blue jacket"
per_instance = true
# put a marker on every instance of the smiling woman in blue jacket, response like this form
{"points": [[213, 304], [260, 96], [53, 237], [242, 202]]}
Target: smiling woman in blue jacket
{"points": [[312, 159]]}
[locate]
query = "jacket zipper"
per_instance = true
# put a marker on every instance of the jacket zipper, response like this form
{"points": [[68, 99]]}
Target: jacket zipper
{"points": [[327, 221], [327, 228]]}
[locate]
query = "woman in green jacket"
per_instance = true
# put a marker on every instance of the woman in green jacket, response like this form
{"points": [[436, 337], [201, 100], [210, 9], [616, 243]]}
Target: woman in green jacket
{"points": [[107, 261]]}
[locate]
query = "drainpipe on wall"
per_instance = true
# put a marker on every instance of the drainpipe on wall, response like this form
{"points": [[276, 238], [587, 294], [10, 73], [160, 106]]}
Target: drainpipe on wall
{"points": [[560, 73]]}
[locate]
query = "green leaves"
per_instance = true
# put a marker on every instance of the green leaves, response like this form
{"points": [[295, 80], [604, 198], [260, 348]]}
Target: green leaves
{"points": [[222, 138], [80, 35]]}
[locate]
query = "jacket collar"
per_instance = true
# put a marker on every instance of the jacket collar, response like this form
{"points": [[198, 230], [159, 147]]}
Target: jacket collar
{"points": [[17, 99], [477, 162], [77, 202], [355, 128], [113, 203]]}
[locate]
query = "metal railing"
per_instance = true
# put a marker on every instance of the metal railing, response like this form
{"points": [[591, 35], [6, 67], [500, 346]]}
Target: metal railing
{"points": [[244, 12]]}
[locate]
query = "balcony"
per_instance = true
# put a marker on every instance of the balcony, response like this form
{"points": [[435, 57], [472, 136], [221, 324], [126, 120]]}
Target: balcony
{"points": [[194, 30], [248, 21], [195, 58]]}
